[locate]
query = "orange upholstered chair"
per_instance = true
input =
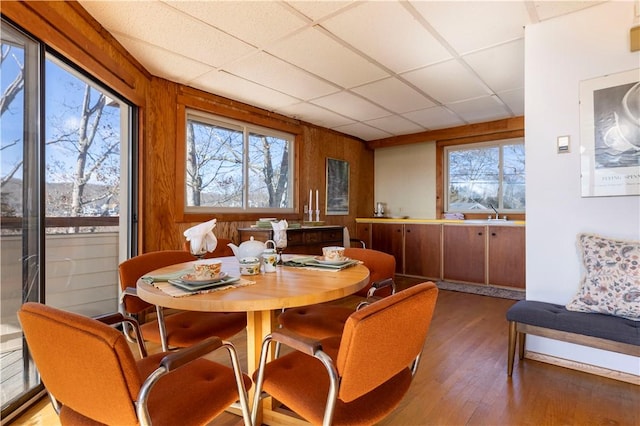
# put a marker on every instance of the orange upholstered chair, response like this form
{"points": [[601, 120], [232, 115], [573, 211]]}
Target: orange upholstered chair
{"points": [[357, 378], [93, 378], [324, 320], [181, 329]]}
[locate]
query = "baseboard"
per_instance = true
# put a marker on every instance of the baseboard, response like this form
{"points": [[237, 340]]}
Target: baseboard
{"points": [[585, 368]]}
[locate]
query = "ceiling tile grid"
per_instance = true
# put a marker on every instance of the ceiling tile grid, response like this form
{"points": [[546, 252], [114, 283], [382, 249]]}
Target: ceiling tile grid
{"points": [[370, 69]]}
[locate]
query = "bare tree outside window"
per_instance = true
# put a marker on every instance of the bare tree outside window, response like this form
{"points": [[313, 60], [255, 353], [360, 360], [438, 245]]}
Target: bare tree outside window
{"points": [[233, 166], [82, 148], [483, 176]]}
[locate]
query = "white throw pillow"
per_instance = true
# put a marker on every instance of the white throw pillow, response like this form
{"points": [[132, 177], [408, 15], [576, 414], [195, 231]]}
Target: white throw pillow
{"points": [[611, 278]]}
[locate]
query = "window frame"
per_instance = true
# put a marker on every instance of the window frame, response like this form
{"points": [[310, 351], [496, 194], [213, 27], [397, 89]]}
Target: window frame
{"points": [[479, 145], [220, 116]]}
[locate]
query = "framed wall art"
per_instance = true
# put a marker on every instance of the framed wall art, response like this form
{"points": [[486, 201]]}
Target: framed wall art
{"points": [[337, 187], [610, 135]]}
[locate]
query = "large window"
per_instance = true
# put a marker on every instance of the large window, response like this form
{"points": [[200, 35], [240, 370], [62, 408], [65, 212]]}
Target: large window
{"points": [[65, 225], [233, 166], [485, 176]]}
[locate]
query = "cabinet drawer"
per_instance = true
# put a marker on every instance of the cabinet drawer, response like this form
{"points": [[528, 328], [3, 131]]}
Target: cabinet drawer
{"points": [[333, 236], [295, 238], [312, 237]]}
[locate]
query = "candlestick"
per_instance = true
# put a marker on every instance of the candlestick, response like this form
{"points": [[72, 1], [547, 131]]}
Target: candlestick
{"points": [[317, 203], [310, 215], [310, 202], [318, 215]]}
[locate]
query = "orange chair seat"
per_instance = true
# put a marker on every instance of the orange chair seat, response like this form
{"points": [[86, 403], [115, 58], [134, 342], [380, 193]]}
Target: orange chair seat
{"points": [[186, 327], [308, 397]]}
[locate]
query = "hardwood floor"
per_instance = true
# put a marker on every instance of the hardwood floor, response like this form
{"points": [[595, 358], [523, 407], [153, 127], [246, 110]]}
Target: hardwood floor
{"points": [[462, 379]]}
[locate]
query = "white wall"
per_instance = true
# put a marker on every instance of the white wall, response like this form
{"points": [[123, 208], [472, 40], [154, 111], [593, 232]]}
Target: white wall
{"points": [[558, 55], [405, 179]]}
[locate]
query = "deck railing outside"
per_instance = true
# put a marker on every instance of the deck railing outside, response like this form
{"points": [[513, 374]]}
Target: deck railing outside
{"points": [[81, 275]]}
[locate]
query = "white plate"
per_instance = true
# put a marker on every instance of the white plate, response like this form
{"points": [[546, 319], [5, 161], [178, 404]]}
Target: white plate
{"points": [[225, 281], [192, 280], [324, 261]]}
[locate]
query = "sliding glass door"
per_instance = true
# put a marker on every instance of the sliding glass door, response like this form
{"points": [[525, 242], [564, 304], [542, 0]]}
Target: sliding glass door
{"points": [[65, 169]]}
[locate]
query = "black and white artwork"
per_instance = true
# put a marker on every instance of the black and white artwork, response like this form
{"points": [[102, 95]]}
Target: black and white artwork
{"points": [[610, 135]]}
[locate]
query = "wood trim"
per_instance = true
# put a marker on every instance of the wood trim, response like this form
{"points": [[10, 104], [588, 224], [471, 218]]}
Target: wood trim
{"points": [[580, 339], [584, 367], [70, 30], [490, 129]]}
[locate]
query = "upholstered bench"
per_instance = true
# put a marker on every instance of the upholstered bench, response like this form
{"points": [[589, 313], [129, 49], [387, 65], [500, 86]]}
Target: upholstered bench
{"points": [[600, 331]]}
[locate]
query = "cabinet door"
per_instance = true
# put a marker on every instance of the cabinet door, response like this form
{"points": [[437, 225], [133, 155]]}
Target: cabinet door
{"points": [[464, 253], [363, 232], [422, 250], [387, 237], [507, 256]]}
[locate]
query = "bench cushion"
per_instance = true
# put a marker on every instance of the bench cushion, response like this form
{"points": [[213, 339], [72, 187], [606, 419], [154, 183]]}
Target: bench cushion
{"points": [[557, 317]]}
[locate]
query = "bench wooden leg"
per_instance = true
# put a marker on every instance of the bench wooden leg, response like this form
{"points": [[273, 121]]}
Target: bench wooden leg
{"points": [[512, 347]]}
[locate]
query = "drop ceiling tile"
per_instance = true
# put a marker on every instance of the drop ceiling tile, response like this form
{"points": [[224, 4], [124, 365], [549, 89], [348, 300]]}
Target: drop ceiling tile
{"points": [[434, 118], [314, 51], [447, 82], [362, 131], [272, 72], [395, 125], [388, 33], [394, 95], [314, 114], [551, 9], [256, 22], [351, 106], [168, 28], [486, 108], [501, 67], [514, 100], [473, 25], [317, 10], [232, 87], [155, 59]]}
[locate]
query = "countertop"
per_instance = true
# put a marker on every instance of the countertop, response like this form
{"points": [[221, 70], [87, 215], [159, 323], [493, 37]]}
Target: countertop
{"points": [[440, 221]]}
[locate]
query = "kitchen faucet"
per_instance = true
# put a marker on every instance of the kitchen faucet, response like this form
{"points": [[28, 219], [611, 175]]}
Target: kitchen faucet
{"points": [[494, 209]]}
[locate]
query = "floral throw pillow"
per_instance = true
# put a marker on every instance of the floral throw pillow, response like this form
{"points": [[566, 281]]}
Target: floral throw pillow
{"points": [[611, 280]]}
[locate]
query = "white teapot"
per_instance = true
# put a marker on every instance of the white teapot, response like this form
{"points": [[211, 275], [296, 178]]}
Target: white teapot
{"points": [[250, 248]]}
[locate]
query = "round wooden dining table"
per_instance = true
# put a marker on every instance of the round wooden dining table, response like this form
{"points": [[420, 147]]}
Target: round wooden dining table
{"points": [[287, 287]]}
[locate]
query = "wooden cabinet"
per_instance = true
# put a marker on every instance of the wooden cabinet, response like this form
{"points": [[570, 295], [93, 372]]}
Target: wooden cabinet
{"points": [[363, 233], [464, 253], [484, 254], [506, 257], [388, 237], [300, 240], [416, 247], [422, 250]]}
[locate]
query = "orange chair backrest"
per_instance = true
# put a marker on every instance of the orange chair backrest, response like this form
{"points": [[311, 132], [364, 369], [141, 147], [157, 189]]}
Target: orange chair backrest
{"points": [[382, 339], [221, 250], [381, 265], [132, 269], [85, 364]]}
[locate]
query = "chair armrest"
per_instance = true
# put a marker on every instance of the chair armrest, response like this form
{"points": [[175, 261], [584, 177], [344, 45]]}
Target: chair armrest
{"points": [[186, 355], [118, 318], [302, 344], [387, 282]]}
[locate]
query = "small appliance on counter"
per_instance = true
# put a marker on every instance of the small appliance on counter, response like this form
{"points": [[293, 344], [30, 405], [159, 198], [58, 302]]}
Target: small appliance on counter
{"points": [[379, 212]]}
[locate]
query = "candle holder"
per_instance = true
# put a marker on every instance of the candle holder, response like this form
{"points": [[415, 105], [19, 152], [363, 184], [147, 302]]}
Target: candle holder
{"points": [[317, 215], [310, 215]]}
